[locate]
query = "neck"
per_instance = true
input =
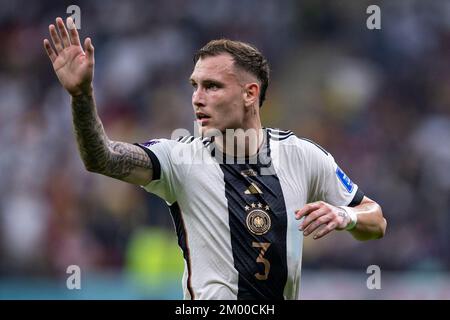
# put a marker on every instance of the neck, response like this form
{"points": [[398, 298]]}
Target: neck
{"points": [[240, 143], [244, 141]]}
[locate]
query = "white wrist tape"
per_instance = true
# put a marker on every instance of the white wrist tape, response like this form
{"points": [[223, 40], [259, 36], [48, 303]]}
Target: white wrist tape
{"points": [[353, 217]]}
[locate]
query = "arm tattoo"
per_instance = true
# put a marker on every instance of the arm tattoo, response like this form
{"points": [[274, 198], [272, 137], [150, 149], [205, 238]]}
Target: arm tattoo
{"points": [[342, 213], [99, 154], [124, 158]]}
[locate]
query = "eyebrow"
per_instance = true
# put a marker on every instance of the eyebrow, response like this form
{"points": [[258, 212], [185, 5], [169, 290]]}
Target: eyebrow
{"points": [[207, 81]]}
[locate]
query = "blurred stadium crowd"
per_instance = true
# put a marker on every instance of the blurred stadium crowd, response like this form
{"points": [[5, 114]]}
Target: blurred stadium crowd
{"points": [[379, 101]]}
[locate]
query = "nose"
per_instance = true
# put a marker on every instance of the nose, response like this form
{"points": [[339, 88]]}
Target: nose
{"points": [[198, 98]]}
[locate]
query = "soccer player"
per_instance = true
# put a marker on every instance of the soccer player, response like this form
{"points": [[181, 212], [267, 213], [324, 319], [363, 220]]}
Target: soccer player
{"points": [[240, 223]]}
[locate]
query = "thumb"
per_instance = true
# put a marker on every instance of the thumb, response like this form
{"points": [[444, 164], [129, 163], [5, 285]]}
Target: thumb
{"points": [[89, 49]]}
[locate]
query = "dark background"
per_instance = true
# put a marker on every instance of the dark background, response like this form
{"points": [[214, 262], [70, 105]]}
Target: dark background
{"points": [[378, 100]]}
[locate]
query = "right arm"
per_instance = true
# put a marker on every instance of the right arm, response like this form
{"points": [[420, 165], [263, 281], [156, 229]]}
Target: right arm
{"points": [[120, 160], [75, 70]]}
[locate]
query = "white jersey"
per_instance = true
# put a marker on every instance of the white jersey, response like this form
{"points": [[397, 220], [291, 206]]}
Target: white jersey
{"points": [[235, 221]]}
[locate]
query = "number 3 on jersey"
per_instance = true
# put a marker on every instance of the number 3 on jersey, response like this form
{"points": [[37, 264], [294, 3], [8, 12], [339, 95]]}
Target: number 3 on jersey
{"points": [[264, 246]]}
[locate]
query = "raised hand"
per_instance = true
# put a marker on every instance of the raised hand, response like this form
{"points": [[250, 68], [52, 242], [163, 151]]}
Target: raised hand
{"points": [[74, 66]]}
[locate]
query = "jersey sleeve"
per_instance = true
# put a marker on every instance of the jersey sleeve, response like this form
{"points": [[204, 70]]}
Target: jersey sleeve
{"points": [[167, 174], [327, 181]]}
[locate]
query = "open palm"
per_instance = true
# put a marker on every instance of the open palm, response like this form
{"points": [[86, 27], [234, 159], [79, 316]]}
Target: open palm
{"points": [[73, 66]]}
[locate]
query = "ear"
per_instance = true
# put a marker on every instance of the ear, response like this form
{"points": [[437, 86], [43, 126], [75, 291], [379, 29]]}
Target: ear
{"points": [[251, 94]]}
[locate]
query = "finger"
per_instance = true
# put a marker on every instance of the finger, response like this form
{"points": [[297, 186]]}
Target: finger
{"points": [[50, 52], [326, 230], [89, 48], [55, 38], [63, 32], [307, 209], [313, 216], [316, 224], [74, 37]]}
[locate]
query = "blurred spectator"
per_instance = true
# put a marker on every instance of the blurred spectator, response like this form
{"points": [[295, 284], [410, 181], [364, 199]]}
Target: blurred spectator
{"points": [[377, 100]]}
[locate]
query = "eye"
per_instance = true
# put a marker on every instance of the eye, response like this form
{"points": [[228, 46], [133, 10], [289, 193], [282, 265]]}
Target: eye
{"points": [[212, 86]]}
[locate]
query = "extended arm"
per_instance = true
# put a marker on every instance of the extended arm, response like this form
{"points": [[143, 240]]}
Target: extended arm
{"points": [[370, 221], [120, 160], [74, 68]]}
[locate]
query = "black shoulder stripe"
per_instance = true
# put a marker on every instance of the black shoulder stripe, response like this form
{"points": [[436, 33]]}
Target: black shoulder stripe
{"points": [[207, 141], [186, 139], [318, 146], [281, 138], [155, 161], [279, 132], [285, 137]]}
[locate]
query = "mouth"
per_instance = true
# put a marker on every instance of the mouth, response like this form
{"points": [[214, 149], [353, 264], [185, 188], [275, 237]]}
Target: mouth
{"points": [[202, 118]]}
